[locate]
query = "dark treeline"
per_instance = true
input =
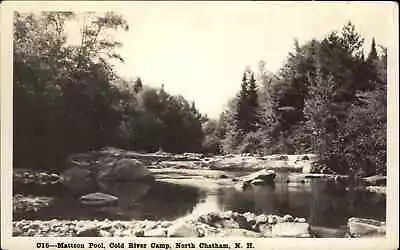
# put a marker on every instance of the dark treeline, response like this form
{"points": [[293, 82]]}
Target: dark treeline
{"points": [[326, 99], [69, 99]]}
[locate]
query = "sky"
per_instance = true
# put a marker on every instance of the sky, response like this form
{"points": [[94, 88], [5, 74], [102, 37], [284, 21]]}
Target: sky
{"points": [[200, 50]]}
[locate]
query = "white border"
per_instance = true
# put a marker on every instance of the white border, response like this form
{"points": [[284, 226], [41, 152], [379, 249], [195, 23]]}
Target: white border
{"points": [[9, 242]]}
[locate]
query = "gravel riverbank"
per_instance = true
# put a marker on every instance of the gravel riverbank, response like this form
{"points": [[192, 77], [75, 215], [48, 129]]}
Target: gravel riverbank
{"points": [[211, 224]]}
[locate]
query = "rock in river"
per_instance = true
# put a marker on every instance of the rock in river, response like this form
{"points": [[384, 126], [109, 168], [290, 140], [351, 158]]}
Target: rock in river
{"points": [[125, 170], [98, 199], [78, 179], [84, 179], [262, 177], [359, 227], [266, 175]]}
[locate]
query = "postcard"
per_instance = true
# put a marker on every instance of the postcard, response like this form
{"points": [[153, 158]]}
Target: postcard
{"points": [[199, 125]]}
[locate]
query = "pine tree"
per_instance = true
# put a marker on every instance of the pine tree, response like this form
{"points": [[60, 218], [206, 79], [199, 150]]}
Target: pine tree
{"points": [[371, 67], [252, 102], [373, 54], [138, 86], [242, 108]]}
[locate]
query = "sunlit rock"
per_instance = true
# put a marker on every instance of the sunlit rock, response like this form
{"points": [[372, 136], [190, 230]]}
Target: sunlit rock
{"points": [[290, 229], [183, 229], [88, 231], [359, 227]]}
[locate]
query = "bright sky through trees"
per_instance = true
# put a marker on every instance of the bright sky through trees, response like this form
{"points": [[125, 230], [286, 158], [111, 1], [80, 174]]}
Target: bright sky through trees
{"points": [[200, 50]]}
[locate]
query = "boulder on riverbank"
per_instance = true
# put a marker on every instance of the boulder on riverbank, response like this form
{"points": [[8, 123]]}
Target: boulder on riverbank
{"points": [[359, 227]]}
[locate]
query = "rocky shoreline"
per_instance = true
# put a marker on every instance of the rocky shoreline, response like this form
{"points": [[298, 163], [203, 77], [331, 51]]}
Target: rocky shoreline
{"points": [[207, 225], [211, 224]]}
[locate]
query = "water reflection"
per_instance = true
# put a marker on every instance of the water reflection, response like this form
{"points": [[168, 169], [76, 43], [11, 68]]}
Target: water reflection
{"points": [[156, 201], [322, 203], [128, 192]]}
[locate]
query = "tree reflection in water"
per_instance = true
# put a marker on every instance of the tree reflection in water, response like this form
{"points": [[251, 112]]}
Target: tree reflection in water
{"points": [[321, 202]]}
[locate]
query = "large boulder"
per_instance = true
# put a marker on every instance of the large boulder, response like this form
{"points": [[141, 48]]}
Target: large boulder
{"points": [[262, 177], [267, 176], [125, 170], [359, 227], [87, 178], [79, 179]]}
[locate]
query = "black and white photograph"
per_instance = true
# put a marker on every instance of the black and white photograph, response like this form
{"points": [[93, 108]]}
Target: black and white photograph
{"points": [[199, 120]]}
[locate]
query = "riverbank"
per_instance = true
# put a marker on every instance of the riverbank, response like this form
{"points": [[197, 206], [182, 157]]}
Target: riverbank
{"points": [[207, 225], [212, 224], [233, 181]]}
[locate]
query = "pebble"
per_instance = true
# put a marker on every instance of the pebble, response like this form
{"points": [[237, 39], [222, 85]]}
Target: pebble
{"points": [[272, 219], [262, 218], [288, 218], [300, 220], [105, 227]]}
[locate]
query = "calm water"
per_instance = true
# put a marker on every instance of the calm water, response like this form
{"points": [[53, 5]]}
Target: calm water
{"points": [[322, 203]]}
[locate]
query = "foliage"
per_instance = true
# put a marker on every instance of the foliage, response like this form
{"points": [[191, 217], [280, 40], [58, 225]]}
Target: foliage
{"points": [[69, 99], [243, 115], [326, 99]]}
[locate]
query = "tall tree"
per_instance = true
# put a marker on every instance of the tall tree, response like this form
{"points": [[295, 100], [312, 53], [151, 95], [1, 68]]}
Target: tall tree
{"points": [[242, 109], [253, 106], [138, 86], [373, 54]]}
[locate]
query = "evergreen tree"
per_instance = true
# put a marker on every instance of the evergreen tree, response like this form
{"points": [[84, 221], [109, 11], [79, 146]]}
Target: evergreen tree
{"points": [[138, 86], [242, 111], [371, 68], [242, 117], [373, 54], [253, 107]]}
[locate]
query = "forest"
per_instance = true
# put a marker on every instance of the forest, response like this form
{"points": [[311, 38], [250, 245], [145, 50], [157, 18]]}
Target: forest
{"points": [[328, 98]]}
